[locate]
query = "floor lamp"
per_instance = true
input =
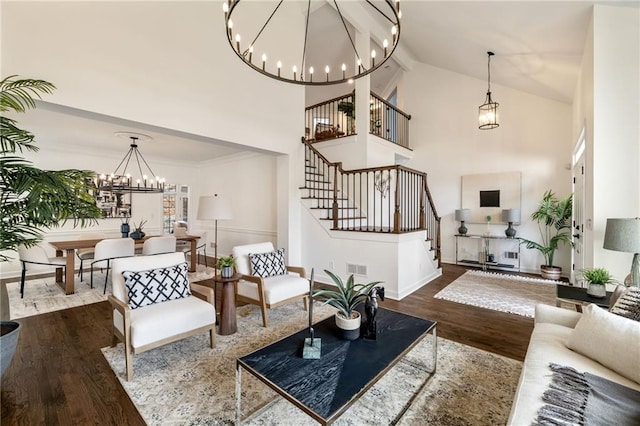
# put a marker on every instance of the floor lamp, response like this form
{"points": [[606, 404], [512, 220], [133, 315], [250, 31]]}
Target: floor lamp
{"points": [[214, 208]]}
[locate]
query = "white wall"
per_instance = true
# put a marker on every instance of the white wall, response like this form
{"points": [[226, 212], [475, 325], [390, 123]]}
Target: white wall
{"points": [[129, 60], [534, 138], [248, 181], [615, 151]]}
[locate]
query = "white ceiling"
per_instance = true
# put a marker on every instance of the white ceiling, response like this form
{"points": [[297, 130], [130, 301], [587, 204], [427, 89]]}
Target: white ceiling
{"points": [[538, 47]]}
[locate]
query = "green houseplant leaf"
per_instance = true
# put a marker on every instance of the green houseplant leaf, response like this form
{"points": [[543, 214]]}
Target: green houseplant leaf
{"points": [[32, 199], [347, 296], [553, 216]]}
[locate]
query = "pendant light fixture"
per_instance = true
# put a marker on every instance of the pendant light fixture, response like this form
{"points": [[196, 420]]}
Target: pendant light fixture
{"points": [[488, 112], [141, 181], [262, 35]]}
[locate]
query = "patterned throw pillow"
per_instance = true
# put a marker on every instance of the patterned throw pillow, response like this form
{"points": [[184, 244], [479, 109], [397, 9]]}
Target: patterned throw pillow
{"points": [[628, 304], [156, 285], [268, 264]]}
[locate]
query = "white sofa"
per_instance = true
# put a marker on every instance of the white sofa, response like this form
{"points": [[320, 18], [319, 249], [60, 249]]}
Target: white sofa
{"points": [[551, 334]]}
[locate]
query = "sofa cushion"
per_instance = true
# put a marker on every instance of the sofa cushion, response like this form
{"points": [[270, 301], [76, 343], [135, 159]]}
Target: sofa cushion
{"points": [[156, 285], [612, 340], [268, 264], [548, 344], [176, 317], [276, 288]]}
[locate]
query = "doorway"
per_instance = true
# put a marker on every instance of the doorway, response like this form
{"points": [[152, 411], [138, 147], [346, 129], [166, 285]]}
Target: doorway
{"points": [[577, 235]]}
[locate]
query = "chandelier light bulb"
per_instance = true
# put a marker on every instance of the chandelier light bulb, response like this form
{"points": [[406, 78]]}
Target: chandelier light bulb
{"points": [[279, 65], [295, 70], [250, 52], [264, 60], [225, 7], [344, 69], [238, 42], [310, 73], [385, 45], [373, 58], [230, 27]]}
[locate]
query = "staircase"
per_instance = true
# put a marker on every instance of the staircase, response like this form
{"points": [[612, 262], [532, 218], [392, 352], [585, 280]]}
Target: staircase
{"points": [[384, 200]]}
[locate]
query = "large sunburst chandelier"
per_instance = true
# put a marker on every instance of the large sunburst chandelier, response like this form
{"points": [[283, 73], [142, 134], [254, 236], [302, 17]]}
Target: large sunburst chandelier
{"points": [[268, 36], [141, 179]]}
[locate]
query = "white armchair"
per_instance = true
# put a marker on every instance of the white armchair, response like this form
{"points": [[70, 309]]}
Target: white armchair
{"points": [[142, 317], [268, 292]]}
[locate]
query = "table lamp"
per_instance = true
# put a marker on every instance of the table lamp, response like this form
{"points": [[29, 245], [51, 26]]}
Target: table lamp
{"points": [[510, 216], [214, 208], [462, 215], [624, 235]]}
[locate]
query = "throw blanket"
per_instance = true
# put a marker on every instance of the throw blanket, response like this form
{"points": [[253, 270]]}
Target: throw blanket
{"points": [[584, 399]]}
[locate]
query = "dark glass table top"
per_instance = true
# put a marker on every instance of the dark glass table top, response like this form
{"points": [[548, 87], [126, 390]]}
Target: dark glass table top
{"points": [[579, 294], [325, 387]]}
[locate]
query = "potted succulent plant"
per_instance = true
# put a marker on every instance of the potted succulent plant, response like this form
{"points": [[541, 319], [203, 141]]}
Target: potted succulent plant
{"points": [[346, 299], [597, 278], [226, 265], [554, 221]]}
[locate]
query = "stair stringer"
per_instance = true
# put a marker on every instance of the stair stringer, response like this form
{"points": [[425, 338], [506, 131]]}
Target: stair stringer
{"points": [[404, 262]]}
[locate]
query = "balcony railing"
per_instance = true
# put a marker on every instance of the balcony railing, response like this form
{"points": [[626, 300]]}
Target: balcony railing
{"points": [[335, 118], [390, 199]]}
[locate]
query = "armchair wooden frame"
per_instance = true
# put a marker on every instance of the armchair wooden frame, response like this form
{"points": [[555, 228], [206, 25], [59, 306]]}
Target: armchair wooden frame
{"points": [[201, 292], [262, 303]]}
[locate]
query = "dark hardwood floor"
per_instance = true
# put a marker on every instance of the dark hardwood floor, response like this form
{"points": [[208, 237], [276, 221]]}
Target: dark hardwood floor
{"points": [[58, 375]]}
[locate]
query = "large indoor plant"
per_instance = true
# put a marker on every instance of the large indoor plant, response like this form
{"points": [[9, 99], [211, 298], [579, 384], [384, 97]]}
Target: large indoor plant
{"points": [[31, 199], [346, 299], [553, 216]]}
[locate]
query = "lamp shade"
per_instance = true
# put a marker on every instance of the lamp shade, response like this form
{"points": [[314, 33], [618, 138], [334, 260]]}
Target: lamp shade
{"points": [[214, 208], [462, 215], [623, 235], [511, 215]]}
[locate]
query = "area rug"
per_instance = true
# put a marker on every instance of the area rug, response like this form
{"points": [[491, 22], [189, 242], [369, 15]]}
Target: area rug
{"points": [[188, 383], [500, 292], [43, 295]]}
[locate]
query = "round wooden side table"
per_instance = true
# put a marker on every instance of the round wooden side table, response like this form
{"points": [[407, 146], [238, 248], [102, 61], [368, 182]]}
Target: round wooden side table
{"points": [[228, 324]]}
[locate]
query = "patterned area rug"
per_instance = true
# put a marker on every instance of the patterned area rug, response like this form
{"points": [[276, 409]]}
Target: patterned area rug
{"points": [[44, 295], [500, 292], [188, 383]]}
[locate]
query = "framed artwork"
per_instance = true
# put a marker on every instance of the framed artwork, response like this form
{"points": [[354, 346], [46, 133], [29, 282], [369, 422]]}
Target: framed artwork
{"points": [[487, 194], [113, 204]]}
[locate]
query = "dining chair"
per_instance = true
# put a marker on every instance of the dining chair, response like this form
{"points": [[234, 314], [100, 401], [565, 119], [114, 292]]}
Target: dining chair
{"points": [[159, 245], [35, 258], [86, 253], [181, 228], [109, 249]]}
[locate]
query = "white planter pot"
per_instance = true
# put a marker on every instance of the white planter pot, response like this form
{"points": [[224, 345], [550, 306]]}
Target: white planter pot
{"points": [[349, 328], [226, 271], [597, 290]]}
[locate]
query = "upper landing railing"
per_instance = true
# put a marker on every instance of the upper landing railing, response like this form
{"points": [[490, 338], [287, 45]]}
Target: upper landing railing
{"points": [[335, 118]]}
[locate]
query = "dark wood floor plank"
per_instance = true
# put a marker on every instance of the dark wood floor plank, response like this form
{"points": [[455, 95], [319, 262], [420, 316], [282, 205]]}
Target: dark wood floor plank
{"points": [[59, 375]]}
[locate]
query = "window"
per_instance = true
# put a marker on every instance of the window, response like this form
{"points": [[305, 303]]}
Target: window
{"points": [[175, 206]]}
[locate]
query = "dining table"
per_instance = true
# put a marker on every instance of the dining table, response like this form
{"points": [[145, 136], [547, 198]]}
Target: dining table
{"points": [[70, 246]]}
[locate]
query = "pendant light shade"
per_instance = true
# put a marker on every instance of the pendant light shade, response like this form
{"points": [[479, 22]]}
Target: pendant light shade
{"points": [[488, 111]]}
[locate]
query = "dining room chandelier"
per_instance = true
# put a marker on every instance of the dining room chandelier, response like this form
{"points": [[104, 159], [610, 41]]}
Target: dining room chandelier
{"points": [[141, 180], [265, 37], [488, 111]]}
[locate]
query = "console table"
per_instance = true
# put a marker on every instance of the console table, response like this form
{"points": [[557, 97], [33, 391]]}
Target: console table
{"points": [[505, 252]]}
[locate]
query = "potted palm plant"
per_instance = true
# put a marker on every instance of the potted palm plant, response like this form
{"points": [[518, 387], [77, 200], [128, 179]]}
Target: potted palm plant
{"points": [[226, 265], [346, 299], [32, 199], [554, 222], [597, 280]]}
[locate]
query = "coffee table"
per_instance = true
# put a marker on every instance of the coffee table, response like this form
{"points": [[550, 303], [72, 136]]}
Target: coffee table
{"points": [[325, 388], [579, 297]]}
